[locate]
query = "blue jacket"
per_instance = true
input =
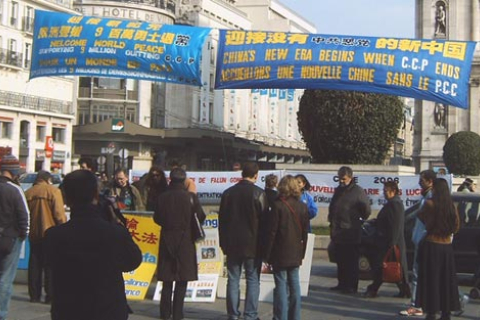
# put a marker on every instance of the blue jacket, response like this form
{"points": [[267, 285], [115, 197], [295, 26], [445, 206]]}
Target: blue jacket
{"points": [[419, 231], [312, 207]]}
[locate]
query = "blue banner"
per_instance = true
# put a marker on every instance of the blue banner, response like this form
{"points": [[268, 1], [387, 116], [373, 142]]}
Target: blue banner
{"points": [[436, 70], [67, 44]]}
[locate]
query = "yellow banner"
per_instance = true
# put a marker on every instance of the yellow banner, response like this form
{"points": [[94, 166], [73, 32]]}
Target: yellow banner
{"points": [[146, 235]]}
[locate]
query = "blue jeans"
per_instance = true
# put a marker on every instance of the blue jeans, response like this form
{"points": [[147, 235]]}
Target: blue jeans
{"points": [[286, 295], [414, 276], [252, 275], [8, 270]]}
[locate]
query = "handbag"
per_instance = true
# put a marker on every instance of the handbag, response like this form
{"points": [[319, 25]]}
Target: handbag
{"points": [[392, 269], [198, 234]]}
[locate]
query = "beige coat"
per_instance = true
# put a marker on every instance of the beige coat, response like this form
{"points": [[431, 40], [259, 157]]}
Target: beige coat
{"points": [[46, 209]]}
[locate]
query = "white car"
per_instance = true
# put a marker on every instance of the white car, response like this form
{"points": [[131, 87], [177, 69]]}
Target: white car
{"points": [[27, 179]]}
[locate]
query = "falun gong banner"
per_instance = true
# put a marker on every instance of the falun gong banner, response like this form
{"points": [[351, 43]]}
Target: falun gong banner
{"points": [[67, 44], [436, 70]]}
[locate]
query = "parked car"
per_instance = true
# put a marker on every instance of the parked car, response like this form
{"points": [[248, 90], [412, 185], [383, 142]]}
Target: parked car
{"points": [[27, 179], [466, 243]]}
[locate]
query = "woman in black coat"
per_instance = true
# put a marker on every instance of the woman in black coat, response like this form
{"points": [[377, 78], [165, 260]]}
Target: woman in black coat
{"points": [[389, 232], [177, 256], [285, 248]]}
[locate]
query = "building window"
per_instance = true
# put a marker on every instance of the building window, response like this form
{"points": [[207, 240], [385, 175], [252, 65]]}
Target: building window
{"points": [[28, 50], [41, 130], [83, 113], [131, 114], [12, 52], [14, 14], [58, 135], [24, 133], [85, 82], [210, 112], [109, 83], [1, 12], [212, 55], [5, 130], [27, 24], [212, 82]]}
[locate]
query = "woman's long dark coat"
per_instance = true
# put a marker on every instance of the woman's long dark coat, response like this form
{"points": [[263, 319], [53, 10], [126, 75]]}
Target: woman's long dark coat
{"points": [[177, 259], [390, 224]]}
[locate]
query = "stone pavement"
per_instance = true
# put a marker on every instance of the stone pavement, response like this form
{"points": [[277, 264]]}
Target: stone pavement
{"points": [[321, 303]]}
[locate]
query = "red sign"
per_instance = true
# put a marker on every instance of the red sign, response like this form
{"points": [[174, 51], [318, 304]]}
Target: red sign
{"points": [[48, 146]]}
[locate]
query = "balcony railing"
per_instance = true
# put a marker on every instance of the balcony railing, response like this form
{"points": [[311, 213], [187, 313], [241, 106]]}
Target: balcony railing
{"points": [[116, 94], [10, 57], [24, 101]]}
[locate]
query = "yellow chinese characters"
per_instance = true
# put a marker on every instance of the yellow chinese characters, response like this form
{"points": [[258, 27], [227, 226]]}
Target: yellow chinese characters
{"points": [[449, 49]]}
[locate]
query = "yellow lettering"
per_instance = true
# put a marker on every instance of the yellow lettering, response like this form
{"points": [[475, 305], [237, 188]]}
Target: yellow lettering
{"points": [[303, 54], [239, 56], [49, 62], [400, 79], [276, 54], [361, 74], [446, 69], [379, 58], [149, 48], [246, 73], [109, 44], [100, 62], [321, 72], [336, 55], [285, 72]]}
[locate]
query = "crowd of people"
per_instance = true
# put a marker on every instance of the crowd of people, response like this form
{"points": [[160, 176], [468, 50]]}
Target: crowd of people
{"points": [[79, 261]]}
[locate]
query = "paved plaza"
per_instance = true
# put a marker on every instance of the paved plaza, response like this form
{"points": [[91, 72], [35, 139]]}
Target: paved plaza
{"points": [[321, 303]]}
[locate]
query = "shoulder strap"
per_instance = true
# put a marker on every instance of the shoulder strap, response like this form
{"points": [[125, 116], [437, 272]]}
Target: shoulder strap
{"points": [[295, 216]]}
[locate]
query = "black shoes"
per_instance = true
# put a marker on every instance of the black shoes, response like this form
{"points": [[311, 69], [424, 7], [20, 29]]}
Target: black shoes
{"points": [[403, 295], [336, 288], [348, 291], [369, 294]]}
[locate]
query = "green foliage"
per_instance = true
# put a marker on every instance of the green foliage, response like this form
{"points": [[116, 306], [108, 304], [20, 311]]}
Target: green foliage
{"points": [[461, 153], [349, 127]]}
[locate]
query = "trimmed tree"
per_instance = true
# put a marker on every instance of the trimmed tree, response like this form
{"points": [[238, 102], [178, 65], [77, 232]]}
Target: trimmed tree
{"points": [[461, 153], [349, 127]]}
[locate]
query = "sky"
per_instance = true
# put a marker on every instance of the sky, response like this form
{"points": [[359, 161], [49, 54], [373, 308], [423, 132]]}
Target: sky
{"points": [[376, 18]]}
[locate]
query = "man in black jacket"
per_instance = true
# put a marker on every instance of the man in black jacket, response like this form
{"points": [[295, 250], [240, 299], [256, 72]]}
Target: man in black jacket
{"points": [[349, 205], [87, 256], [13, 226], [242, 210]]}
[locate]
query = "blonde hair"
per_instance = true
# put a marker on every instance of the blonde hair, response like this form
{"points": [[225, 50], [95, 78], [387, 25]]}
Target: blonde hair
{"points": [[288, 187]]}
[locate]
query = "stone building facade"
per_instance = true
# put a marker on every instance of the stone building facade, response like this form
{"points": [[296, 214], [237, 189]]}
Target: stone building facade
{"points": [[435, 122], [36, 115]]}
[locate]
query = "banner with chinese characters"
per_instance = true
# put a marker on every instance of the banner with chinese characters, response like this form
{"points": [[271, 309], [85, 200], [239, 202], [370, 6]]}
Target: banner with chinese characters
{"points": [[146, 234], [436, 70], [65, 44]]}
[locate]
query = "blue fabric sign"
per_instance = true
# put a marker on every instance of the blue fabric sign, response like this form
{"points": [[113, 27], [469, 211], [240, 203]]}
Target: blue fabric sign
{"points": [[429, 69], [67, 44]]}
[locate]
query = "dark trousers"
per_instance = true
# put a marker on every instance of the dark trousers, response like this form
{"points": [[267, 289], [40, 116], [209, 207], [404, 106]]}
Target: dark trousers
{"points": [[178, 297], [36, 270], [375, 257], [348, 255]]}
